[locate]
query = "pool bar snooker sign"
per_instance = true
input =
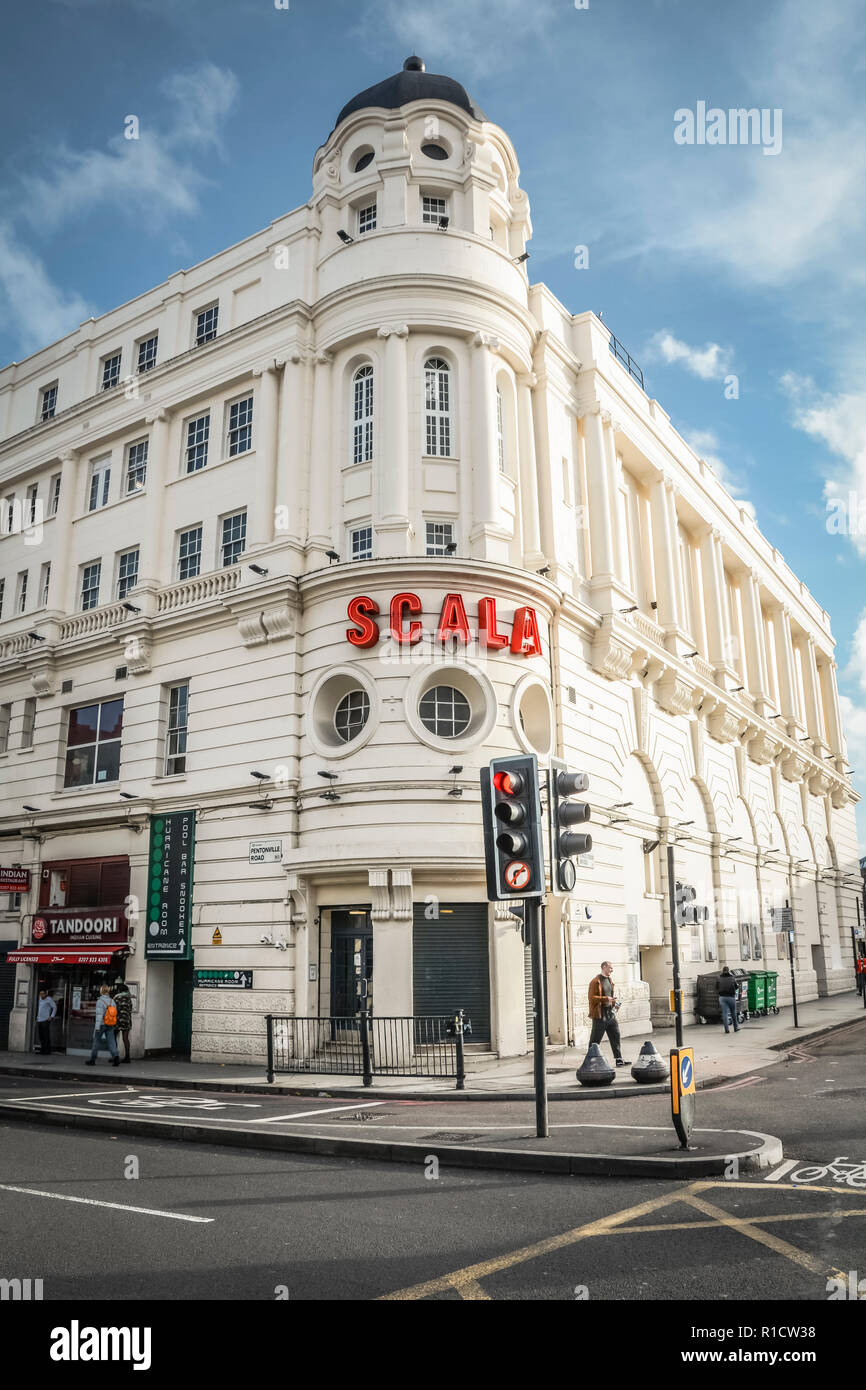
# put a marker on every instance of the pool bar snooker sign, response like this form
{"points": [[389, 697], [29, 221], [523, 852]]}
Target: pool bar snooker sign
{"points": [[169, 887]]}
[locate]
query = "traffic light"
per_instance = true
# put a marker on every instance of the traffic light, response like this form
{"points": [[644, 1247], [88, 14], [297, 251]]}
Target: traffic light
{"points": [[511, 811], [564, 813]]}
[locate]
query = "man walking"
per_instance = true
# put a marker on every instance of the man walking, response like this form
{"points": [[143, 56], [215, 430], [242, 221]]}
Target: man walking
{"points": [[728, 989], [46, 1009], [602, 1011]]}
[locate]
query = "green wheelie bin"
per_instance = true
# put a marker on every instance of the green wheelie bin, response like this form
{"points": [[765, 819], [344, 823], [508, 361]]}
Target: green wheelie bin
{"points": [[757, 987], [772, 977]]}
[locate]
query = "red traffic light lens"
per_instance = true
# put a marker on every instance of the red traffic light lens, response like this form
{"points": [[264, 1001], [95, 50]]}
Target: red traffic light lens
{"points": [[508, 783]]}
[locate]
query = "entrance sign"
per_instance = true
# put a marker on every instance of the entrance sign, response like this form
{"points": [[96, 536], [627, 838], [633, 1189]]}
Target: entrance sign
{"points": [[169, 887], [683, 1092], [405, 628], [266, 851], [223, 979]]}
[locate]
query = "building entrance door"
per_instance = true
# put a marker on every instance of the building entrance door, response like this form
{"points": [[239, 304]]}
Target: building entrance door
{"points": [[351, 965]]}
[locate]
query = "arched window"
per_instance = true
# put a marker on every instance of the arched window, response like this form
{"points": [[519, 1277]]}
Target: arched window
{"points": [[500, 429], [437, 407], [362, 415]]}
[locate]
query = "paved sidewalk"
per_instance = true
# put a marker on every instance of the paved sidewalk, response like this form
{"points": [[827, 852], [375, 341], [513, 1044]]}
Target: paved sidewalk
{"points": [[759, 1043]]}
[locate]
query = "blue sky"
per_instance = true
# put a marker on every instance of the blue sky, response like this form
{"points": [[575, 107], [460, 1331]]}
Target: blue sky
{"points": [[705, 260]]}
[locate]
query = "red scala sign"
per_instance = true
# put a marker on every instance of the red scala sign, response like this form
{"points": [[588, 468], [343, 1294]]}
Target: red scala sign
{"points": [[405, 628]]}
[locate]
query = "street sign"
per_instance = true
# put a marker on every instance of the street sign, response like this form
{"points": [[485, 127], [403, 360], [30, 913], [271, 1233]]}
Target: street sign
{"points": [[266, 851], [223, 979], [786, 922], [217, 938], [683, 1092], [517, 874], [169, 887]]}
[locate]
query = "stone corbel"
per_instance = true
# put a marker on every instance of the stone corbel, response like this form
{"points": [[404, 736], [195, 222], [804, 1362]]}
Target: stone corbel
{"points": [[380, 895], [297, 899], [723, 725], [252, 629], [485, 340], [278, 622], [793, 767], [399, 330], [43, 677], [611, 656], [502, 913], [819, 783], [136, 652], [674, 694], [401, 895], [761, 748], [839, 795]]}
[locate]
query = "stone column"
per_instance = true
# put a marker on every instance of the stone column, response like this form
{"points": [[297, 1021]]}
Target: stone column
{"points": [[319, 537], [601, 523], [713, 598], [827, 678], [155, 549], [670, 497], [756, 654], [391, 445], [61, 582], [665, 555], [262, 496], [785, 664], [533, 556], [292, 456], [485, 461], [814, 722], [620, 542]]}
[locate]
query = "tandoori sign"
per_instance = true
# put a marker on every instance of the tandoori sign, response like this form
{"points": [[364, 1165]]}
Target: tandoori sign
{"points": [[404, 626], [169, 887], [80, 924]]}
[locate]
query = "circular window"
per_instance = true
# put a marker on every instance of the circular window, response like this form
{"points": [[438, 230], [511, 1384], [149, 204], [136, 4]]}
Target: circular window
{"points": [[532, 713], [362, 161], [351, 714], [434, 151], [445, 711], [342, 712]]}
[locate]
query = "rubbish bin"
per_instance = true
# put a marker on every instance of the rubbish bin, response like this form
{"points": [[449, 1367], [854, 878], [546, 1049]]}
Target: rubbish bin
{"points": [[742, 979], [756, 992], [707, 1006], [772, 977]]}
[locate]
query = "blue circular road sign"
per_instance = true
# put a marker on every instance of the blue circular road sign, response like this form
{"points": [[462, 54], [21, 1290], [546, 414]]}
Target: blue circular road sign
{"points": [[686, 1072]]}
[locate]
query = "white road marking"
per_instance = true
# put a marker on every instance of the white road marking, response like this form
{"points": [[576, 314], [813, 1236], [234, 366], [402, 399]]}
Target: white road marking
{"points": [[332, 1110], [66, 1095], [783, 1168], [115, 1206]]}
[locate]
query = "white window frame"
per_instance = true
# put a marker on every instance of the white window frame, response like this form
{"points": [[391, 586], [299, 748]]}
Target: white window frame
{"points": [[354, 531], [500, 429], [438, 371], [141, 344], [120, 591], [223, 522], [44, 583], [187, 425], [84, 590], [364, 221], [104, 363], [2, 594], [28, 722], [439, 548], [429, 215], [363, 407], [45, 391], [30, 504], [198, 315], [174, 730], [249, 400], [5, 723], [99, 468], [188, 531], [54, 494], [140, 467], [21, 591]]}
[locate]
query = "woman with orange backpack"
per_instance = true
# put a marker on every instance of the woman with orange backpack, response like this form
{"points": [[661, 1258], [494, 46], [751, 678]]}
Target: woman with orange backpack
{"points": [[103, 1028]]}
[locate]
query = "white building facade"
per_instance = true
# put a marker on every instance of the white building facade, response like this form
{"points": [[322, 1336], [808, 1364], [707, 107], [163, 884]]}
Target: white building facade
{"points": [[354, 506]]}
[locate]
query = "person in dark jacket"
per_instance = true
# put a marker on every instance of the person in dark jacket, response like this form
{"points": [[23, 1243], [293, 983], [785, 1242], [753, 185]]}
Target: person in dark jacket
{"points": [[123, 1004], [728, 989]]}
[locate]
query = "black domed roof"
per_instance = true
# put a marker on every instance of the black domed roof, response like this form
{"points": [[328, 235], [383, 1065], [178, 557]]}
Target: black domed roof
{"points": [[414, 83]]}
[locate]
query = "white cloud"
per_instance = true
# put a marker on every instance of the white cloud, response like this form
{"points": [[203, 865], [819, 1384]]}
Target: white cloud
{"points": [[710, 363], [476, 37], [38, 309], [839, 422], [705, 444]]}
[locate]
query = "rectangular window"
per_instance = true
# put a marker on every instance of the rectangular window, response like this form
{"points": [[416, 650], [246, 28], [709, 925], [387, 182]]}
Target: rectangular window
{"points": [[2, 595], [197, 439], [21, 592], [44, 584], [136, 466], [437, 407], [432, 209], [110, 371], [9, 526], [362, 413], [240, 436], [206, 322], [48, 403], [28, 723], [440, 535], [54, 495], [100, 481], [5, 721], [147, 353], [90, 577], [30, 504], [367, 219], [234, 538], [127, 572], [189, 553], [93, 744], [175, 743], [362, 543]]}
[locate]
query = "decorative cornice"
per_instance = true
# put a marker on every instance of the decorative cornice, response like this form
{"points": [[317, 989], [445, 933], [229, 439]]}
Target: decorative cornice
{"points": [[390, 330]]}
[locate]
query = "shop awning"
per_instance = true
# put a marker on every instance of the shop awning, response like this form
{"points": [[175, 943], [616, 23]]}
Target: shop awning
{"points": [[65, 955]]}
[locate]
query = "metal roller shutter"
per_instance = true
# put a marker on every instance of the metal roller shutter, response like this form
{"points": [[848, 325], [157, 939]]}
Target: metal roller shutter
{"points": [[7, 992], [451, 965]]}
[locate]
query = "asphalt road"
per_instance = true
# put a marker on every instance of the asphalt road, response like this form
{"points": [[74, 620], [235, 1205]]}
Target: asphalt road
{"points": [[204, 1222]]}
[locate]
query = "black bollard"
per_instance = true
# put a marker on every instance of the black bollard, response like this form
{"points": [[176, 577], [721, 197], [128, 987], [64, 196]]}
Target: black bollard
{"points": [[650, 1066], [594, 1070]]}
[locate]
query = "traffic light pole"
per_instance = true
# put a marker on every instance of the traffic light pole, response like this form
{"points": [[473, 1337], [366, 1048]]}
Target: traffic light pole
{"points": [[533, 923], [675, 946]]}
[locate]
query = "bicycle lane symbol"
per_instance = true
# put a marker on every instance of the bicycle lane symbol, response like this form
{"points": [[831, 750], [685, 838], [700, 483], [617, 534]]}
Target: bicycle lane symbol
{"points": [[172, 1103]]}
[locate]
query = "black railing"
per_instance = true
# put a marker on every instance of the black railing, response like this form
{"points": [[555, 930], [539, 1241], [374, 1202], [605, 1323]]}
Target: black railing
{"points": [[626, 359], [367, 1045]]}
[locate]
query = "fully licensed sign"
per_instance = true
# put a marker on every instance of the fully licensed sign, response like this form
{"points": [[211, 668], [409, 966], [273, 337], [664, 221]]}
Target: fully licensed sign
{"points": [[223, 979], [14, 880], [405, 627], [169, 887], [74, 925]]}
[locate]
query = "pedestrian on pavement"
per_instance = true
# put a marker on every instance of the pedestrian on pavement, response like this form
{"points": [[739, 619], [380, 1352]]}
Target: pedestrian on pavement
{"points": [[602, 1011], [123, 1004], [46, 1009], [728, 990], [103, 1029]]}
